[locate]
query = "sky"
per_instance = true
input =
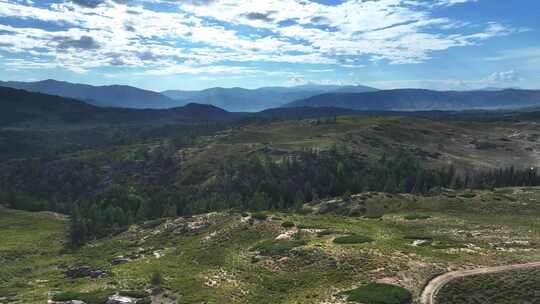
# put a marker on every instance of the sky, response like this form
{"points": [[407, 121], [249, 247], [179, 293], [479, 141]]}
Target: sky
{"points": [[196, 44]]}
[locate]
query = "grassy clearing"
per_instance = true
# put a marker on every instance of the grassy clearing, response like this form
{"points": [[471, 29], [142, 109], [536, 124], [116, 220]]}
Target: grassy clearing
{"points": [[276, 247]]}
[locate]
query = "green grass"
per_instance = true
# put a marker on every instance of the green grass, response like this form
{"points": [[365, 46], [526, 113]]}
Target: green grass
{"points": [[276, 247], [374, 293], [416, 216], [353, 239]]}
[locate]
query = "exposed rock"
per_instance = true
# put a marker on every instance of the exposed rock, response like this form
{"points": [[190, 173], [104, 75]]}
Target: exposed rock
{"points": [[287, 235], [116, 299], [417, 243], [85, 271]]}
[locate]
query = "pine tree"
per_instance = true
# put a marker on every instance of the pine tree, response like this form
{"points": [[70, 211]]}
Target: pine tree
{"points": [[78, 230], [299, 201]]}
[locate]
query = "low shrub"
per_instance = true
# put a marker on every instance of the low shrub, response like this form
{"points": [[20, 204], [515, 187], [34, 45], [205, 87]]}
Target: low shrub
{"points": [[416, 216], [325, 232], [92, 297], [353, 239], [374, 215], [375, 293], [134, 294], [146, 300], [156, 279], [468, 194], [311, 226], [305, 211], [259, 216], [287, 224]]}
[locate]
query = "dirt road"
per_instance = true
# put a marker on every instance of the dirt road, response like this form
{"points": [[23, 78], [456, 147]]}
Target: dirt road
{"points": [[435, 285]]}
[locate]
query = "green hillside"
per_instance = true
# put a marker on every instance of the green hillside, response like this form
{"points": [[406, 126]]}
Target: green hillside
{"points": [[233, 258]]}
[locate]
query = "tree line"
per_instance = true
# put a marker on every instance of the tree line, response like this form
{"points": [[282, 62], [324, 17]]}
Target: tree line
{"points": [[263, 183]]}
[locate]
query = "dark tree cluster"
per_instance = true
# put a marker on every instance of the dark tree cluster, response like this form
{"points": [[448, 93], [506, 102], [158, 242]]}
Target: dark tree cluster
{"points": [[253, 183]]}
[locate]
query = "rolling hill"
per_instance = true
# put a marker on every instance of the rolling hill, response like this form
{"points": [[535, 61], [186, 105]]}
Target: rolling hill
{"points": [[105, 96], [422, 100], [22, 107]]}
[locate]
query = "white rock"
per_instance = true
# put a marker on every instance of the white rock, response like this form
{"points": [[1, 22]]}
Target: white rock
{"points": [[287, 235], [417, 243], [116, 299]]}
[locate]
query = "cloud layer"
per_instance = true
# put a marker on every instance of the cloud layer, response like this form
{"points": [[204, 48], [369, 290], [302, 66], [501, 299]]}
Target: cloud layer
{"points": [[215, 36]]}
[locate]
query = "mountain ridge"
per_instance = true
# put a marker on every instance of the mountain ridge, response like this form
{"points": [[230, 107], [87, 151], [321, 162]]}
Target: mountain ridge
{"points": [[423, 99], [122, 96], [20, 106], [253, 100], [231, 99]]}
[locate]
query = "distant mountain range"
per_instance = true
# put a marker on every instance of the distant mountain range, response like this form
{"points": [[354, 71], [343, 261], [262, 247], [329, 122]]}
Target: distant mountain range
{"points": [[19, 108], [423, 100], [310, 95], [233, 99], [245, 100]]}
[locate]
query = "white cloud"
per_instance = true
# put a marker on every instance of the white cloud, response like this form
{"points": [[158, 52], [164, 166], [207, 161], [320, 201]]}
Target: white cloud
{"points": [[218, 32], [502, 77]]}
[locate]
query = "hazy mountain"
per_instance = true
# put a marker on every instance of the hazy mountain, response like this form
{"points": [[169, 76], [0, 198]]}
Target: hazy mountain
{"points": [[419, 100], [108, 96], [313, 87], [19, 107], [245, 100], [231, 99], [497, 89]]}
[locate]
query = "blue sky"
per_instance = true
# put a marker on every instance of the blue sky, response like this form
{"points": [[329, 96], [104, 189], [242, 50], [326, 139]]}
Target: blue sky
{"points": [[195, 44]]}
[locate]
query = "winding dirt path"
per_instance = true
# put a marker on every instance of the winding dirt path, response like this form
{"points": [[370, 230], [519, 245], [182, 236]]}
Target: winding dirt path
{"points": [[435, 285]]}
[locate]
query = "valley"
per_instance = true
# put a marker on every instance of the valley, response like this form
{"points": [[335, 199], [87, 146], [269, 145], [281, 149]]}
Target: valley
{"points": [[296, 205]]}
